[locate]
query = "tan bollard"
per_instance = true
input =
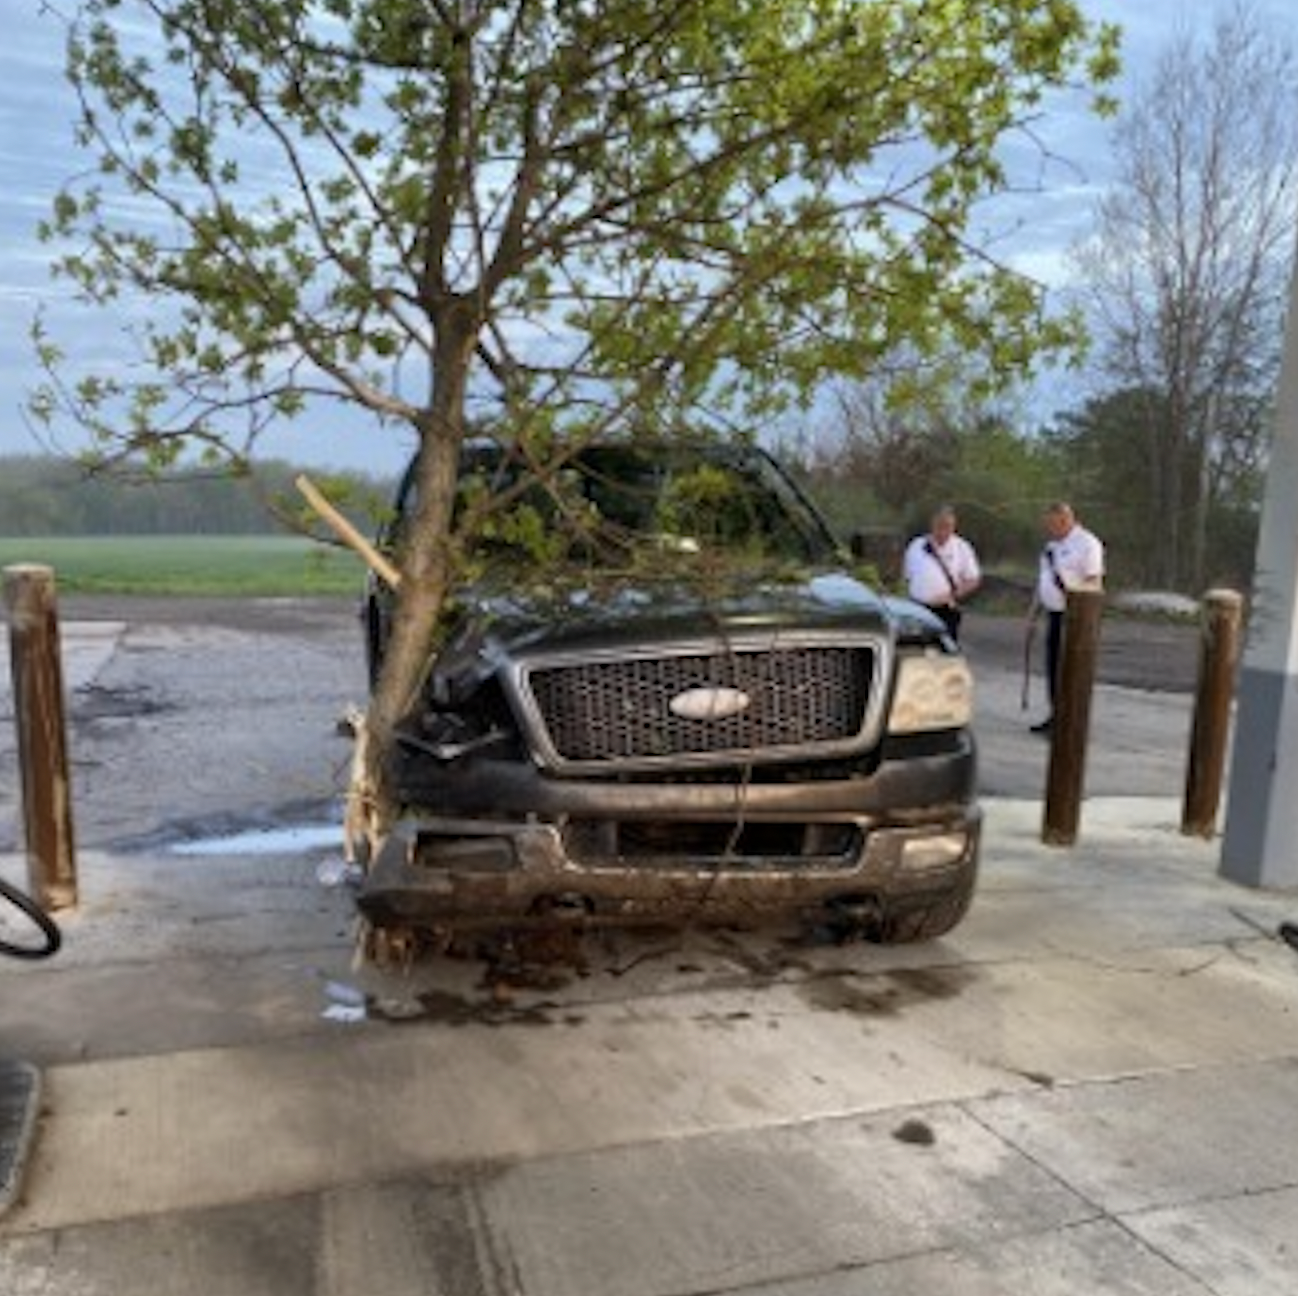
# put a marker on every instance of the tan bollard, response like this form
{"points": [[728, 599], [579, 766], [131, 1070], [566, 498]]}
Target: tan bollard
{"points": [[1072, 718], [1222, 614], [37, 671]]}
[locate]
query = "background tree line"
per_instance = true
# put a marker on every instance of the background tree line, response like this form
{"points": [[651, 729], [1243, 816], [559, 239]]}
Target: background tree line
{"points": [[46, 496], [885, 474]]}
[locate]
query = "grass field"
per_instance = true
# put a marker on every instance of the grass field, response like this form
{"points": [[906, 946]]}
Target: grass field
{"points": [[248, 566]]}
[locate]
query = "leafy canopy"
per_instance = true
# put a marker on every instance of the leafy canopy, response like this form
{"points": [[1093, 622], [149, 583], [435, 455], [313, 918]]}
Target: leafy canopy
{"points": [[569, 210]]}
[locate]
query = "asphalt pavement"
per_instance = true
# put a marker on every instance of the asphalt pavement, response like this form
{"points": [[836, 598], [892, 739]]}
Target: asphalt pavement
{"points": [[1090, 1086]]}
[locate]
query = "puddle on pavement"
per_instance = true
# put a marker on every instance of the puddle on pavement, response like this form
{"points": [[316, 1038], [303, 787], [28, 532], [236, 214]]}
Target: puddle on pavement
{"points": [[447, 1009], [883, 994], [265, 841]]}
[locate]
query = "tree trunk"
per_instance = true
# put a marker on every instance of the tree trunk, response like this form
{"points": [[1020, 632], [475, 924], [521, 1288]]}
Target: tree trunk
{"points": [[427, 566], [1165, 494]]}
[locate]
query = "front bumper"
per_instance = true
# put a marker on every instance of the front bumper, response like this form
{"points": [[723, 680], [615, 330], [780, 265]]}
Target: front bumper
{"points": [[627, 853], [439, 873]]}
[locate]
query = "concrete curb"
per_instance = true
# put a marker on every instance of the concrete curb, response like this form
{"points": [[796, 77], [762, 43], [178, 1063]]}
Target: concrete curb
{"points": [[20, 1099]]}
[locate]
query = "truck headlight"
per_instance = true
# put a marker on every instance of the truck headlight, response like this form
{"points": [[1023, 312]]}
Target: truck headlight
{"points": [[934, 691]]}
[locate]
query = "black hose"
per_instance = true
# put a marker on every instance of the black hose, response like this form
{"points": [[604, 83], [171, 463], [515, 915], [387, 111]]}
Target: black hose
{"points": [[48, 927]]}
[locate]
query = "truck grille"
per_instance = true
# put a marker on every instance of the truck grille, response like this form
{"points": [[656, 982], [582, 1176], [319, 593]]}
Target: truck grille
{"points": [[616, 712]]}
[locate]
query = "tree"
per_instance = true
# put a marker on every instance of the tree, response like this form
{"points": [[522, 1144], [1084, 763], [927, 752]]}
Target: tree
{"points": [[1187, 271], [888, 461], [1107, 465], [999, 481], [897, 447], [556, 215], [1106, 460]]}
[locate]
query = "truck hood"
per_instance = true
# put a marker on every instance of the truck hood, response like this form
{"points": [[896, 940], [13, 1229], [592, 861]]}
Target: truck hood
{"points": [[667, 609]]}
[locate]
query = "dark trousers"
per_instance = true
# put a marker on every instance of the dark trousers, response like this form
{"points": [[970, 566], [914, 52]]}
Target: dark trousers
{"points": [[950, 617], [1054, 651]]}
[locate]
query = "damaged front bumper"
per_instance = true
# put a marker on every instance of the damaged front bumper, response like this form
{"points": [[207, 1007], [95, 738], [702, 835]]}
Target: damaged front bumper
{"points": [[892, 841], [460, 875]]}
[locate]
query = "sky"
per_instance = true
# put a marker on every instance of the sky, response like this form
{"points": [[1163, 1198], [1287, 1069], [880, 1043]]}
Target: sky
{"points": [[37, 155]]}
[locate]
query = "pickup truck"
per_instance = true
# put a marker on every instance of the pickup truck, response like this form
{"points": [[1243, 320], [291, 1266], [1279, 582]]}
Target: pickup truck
{"points": [[682, 706]]}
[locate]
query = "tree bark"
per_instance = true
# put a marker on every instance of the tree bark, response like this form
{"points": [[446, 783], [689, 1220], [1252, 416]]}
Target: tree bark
{"points": [[427, 565]]}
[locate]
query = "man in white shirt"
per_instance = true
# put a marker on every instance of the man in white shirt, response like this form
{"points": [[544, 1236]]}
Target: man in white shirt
{"points": [[1073, 559], [941, 569]]}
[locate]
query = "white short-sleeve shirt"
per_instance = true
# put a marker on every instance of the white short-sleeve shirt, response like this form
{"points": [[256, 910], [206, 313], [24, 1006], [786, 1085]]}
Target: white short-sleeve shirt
{"points": [[1078, 559], [923, 563]]}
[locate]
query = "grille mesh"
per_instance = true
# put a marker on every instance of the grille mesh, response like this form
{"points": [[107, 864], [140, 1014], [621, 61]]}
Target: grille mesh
{"points": [[618, 710]]}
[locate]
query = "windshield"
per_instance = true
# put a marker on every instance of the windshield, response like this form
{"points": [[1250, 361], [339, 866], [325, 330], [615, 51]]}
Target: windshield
{"points": [[671, 498]]}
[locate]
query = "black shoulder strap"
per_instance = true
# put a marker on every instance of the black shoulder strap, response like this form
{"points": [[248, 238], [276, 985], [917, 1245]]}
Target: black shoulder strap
{"points": [[931, 549], [1054, 571]]}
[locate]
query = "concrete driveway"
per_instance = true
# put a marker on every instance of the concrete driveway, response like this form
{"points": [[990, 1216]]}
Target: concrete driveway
{"points": [[1090, 1086]]}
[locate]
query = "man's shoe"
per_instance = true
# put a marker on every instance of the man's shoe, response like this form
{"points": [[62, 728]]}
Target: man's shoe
{"points": [[1045, 728]]}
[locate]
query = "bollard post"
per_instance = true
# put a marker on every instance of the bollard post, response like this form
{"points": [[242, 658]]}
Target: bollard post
{"points": [[1220, 621], [36, 667], [1072, 717]]}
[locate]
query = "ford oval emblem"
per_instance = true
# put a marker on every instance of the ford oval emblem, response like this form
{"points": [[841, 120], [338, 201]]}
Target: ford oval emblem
{"points": [[709, 703]]}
